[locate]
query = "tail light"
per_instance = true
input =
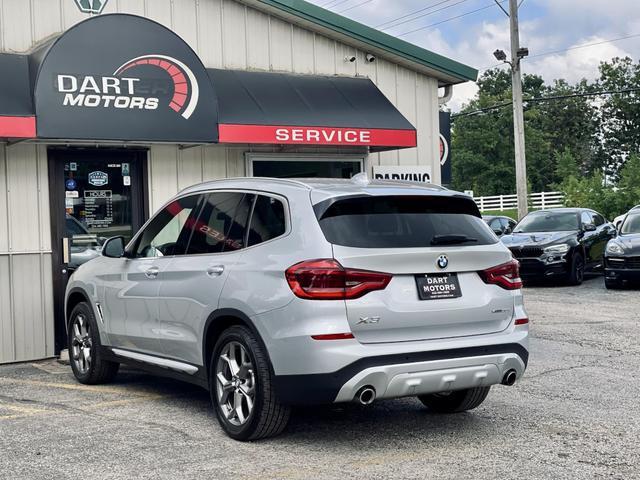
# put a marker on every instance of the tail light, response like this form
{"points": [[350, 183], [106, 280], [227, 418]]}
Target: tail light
{"points": [[522, 321], [506, 275], [326, 279]]}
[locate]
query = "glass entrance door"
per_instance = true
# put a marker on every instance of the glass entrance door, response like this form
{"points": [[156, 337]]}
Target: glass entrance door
{"points": [[95, 194]]}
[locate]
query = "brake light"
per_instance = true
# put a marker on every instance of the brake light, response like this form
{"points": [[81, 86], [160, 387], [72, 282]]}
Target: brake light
{"points": [[326, 279], [506, 275]]}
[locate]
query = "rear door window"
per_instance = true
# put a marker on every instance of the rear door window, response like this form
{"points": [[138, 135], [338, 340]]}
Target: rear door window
{"points": [[222, 223], [268, 220], [402, 222]]}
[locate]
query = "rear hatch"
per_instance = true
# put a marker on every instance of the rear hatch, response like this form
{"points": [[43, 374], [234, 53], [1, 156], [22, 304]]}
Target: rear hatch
{"points": [[434, 246]]}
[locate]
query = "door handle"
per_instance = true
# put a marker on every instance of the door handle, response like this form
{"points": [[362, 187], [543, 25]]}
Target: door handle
{"points": [[152, 272], [215, 271]]}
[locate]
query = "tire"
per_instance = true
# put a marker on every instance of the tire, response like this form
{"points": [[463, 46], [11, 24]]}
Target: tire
{"points": [[85, 356], [576, 275], [245, 403], [611, 284], [456, 401]]}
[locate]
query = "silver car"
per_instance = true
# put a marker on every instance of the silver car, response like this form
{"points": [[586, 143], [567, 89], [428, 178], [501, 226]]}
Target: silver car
{"points": [[272, 293]]}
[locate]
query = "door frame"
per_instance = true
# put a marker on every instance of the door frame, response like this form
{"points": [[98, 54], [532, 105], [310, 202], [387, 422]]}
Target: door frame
{"points": [[56, 156]]}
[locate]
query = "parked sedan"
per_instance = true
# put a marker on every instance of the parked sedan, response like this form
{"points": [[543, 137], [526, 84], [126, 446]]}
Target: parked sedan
{"points": [[560, 243], [499, 224], [622, 256]]}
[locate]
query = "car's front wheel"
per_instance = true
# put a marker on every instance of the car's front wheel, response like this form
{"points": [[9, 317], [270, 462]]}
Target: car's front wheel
{"points": [[576, 274], [456, 401], [241, 388], [84, 348]]}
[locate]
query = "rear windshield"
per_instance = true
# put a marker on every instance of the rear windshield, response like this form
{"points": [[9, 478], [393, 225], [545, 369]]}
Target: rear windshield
{"points": [[402, 222]]}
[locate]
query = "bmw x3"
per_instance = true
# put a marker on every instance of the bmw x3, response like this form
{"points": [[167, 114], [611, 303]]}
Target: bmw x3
{"points": [[272, 293]]}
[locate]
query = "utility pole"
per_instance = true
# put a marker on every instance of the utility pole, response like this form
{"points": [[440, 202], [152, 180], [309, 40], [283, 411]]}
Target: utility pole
{"points": [[518, 116]]}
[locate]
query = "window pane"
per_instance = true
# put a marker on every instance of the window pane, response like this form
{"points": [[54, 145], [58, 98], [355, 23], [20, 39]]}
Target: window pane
{"points": [[267, 221], [402, 222], [221, 224], [305, 168], [598, 219], [168, 232]]}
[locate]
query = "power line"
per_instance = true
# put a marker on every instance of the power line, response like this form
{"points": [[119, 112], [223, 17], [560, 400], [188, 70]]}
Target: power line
{"points": [[425, 14], [584, 45], [448, 19], [326, 4], [355, 6], [386, 26], [339, 2], [546, 99]]}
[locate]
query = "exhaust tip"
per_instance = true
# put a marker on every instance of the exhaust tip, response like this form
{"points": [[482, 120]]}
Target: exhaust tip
{"points": [[366, 395], [509, 378]]}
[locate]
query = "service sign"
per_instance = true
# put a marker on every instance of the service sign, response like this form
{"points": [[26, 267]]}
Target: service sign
{"points": [[416, 173], [122, 77]]}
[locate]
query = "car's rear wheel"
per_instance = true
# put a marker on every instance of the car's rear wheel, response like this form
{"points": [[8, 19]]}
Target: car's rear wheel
{"points": [[241, 388], [86, 359], [455, 401], [576, 274]]}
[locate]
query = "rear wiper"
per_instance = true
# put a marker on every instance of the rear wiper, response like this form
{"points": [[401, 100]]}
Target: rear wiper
{"points": [[451, 239]]}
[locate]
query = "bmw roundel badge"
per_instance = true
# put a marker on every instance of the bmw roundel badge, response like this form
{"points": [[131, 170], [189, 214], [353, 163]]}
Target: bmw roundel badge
{"points": [[442, 262]]}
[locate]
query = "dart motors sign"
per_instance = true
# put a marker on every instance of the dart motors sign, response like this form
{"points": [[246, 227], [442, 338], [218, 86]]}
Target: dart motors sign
{"points": [[123, 77]]}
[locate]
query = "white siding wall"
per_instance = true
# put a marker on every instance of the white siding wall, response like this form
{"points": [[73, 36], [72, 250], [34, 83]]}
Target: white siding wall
{"points": [[225, 34], [26, 302]]}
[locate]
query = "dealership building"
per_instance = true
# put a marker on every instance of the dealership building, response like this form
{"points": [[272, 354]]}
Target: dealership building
{"points": [[108, 108]]}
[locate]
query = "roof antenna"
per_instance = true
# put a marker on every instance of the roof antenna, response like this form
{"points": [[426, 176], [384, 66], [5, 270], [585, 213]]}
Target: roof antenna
{"points": [[361, 178]]}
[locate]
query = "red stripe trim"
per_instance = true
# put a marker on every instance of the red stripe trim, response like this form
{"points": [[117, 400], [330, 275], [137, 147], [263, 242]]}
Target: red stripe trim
{"points": [[293, 135], [17, 127]]}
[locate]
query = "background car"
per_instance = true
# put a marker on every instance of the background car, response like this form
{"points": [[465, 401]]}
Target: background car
{"points": [[500, 225], [618, 220], [622, 255], [560, 243]]}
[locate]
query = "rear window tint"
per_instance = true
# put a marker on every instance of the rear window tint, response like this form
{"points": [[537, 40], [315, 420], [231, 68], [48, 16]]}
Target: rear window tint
{"points": [[402, 221]]}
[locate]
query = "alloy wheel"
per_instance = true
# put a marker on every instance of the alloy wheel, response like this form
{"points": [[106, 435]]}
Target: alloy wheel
{"points": [[235, 383], [81, 344]]}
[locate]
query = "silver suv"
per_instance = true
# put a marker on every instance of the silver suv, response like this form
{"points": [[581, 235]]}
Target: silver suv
{"points": [[272, 293]]}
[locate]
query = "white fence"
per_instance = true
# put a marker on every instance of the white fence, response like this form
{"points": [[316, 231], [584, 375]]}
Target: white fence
{"points": [[505, 202]]}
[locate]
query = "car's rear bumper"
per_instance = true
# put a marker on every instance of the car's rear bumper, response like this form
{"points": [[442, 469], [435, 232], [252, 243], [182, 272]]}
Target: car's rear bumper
{"points": [[406, 374]]}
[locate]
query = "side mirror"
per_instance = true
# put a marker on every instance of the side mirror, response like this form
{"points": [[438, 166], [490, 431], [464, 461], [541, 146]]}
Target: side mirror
{"points": [[589, 227], [507, 231], [113, 247]]}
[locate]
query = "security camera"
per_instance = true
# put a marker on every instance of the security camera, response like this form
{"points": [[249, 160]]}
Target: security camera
{"points": [[350, 58], [370, 58]]}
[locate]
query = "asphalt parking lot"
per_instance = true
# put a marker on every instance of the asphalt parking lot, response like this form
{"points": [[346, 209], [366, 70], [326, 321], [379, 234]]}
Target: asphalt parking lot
{"points": [[576, 414]]}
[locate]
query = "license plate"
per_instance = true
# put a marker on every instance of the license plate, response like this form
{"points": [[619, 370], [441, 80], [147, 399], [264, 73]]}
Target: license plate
{"points": [[437, 286]]}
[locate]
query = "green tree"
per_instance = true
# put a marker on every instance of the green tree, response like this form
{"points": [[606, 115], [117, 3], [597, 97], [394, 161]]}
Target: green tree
{"points": [[482, 143], [619, 114]]}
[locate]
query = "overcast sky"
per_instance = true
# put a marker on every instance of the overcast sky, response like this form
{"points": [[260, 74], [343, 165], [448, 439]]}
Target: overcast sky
{"points": [[545, 26]]}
